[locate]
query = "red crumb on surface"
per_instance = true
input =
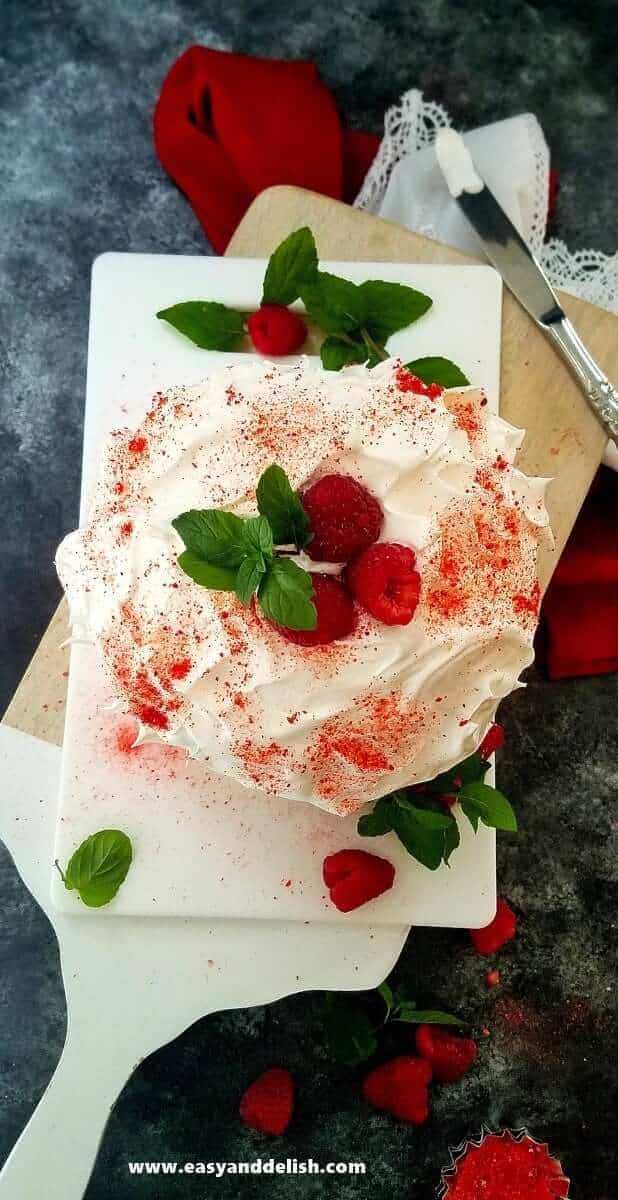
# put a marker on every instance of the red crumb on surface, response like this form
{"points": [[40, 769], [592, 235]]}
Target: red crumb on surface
{"points": [[119, 488], [137, 444], [126, 528], [530, 603], [382, 733], [492, 978], [407, 382], [506, 1167], [155, 759], [154, 717], [180, 669]]}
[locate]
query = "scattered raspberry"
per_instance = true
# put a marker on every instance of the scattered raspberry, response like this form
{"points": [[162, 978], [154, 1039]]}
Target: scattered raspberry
{"points": [[400, 1087], [354, 877], [492, 978], [494, 936], [344, 518], [275, 330], [450, 1057], [384, 581], [506, 1167], [493, 740], [408, 382], [268, 1102], [335, 609]]}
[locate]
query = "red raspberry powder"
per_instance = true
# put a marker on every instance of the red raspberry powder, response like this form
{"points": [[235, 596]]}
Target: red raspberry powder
{"points": [[505, 1167]]}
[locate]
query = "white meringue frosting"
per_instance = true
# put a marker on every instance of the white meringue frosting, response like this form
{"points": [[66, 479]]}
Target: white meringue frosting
{"points": [[341, 724]]}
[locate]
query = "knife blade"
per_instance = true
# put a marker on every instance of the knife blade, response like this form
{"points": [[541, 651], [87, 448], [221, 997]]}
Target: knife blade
{"points": [[523, 275]]}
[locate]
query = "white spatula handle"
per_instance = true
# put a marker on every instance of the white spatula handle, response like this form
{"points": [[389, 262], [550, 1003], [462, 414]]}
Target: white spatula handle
{"points": [[56, 1152]]}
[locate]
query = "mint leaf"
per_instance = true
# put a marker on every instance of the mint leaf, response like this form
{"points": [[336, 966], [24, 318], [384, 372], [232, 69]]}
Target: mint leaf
{"points": [[438, 370], [388, 307], [218, 537], [248, 578], [349, 1034], [209, 575], [451, 838], [490, 805], [422, 831], [280, 504], [208, 324], [336, 353], [258, 537], [292, 262], [388, 997], [378, 822], [471, 812], [99, 866], [426, 1016], [285, 595], [334, 303]]}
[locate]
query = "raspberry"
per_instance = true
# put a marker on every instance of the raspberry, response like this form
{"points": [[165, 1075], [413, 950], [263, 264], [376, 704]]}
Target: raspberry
{"points": [[336, 615], [275, 330], [493, 740], [344, 518], [384, 581], [268, 1103], [450, 1057], [494, 936], [400, 1087], [354, 877]]}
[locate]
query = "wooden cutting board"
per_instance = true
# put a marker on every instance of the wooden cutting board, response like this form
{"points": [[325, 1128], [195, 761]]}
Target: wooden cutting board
{"points": [[564, 440]]}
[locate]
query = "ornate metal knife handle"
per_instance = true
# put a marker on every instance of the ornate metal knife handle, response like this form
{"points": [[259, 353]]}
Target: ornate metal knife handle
{"points": [[599, 392]]}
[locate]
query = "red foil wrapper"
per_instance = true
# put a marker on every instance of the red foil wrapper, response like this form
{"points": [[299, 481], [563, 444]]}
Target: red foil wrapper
{"points": [[510, 1165]]}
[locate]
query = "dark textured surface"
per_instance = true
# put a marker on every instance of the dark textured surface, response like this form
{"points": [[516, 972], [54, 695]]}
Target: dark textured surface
{"points": [[77, 86]]}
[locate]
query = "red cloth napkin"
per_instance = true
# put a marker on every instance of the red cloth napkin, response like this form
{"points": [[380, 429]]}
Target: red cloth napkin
{"points": [[226, 127]]}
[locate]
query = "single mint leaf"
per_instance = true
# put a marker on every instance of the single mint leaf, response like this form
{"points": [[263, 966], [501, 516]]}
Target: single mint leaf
{"points": [[422, 832], [390, 306], [209, 575], [258, 537], [336, 353], [248, 578], [285, 595], [279, 503], [491, 805], [471, 770], [388, 997], [349, 1034], [471, 812], [208, 324], [218, 537], [294, 261], [451, 839], [428, 1016], [438, 370], [335, 304], [380, 821], [99, 866]]}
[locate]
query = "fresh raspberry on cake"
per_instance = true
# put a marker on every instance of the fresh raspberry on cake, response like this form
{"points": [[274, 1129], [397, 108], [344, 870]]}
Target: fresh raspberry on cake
{"points": [[493, 740], [400, 1087], [450, 1057], [275, 330], [384, 580], [336, 616], [344, 518], [268, 1102]]}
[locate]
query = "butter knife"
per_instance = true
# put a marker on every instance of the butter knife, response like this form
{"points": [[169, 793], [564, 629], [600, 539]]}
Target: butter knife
{"points": [[523, 275]]}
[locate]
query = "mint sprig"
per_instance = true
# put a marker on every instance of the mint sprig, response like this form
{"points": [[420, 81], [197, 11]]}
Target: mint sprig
{"points": [[98, 867], [438, 370], [210, 325], [426, 826], [352, 1029], [293, 263], [229, 553]]}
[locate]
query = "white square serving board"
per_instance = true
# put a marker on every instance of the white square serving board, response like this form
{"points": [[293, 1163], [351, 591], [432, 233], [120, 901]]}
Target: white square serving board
{"points": [[203, 846]]}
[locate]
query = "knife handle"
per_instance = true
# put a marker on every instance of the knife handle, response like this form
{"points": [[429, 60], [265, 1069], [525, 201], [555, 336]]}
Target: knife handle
{"points": [[599, 392]]}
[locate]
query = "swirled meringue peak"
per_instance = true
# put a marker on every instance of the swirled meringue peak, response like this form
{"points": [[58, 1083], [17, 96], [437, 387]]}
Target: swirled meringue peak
{"points": [[341, 724]]}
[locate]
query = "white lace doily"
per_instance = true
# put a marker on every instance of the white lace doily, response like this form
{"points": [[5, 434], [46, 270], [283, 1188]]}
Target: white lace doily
{"points": [[412, 125]]}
